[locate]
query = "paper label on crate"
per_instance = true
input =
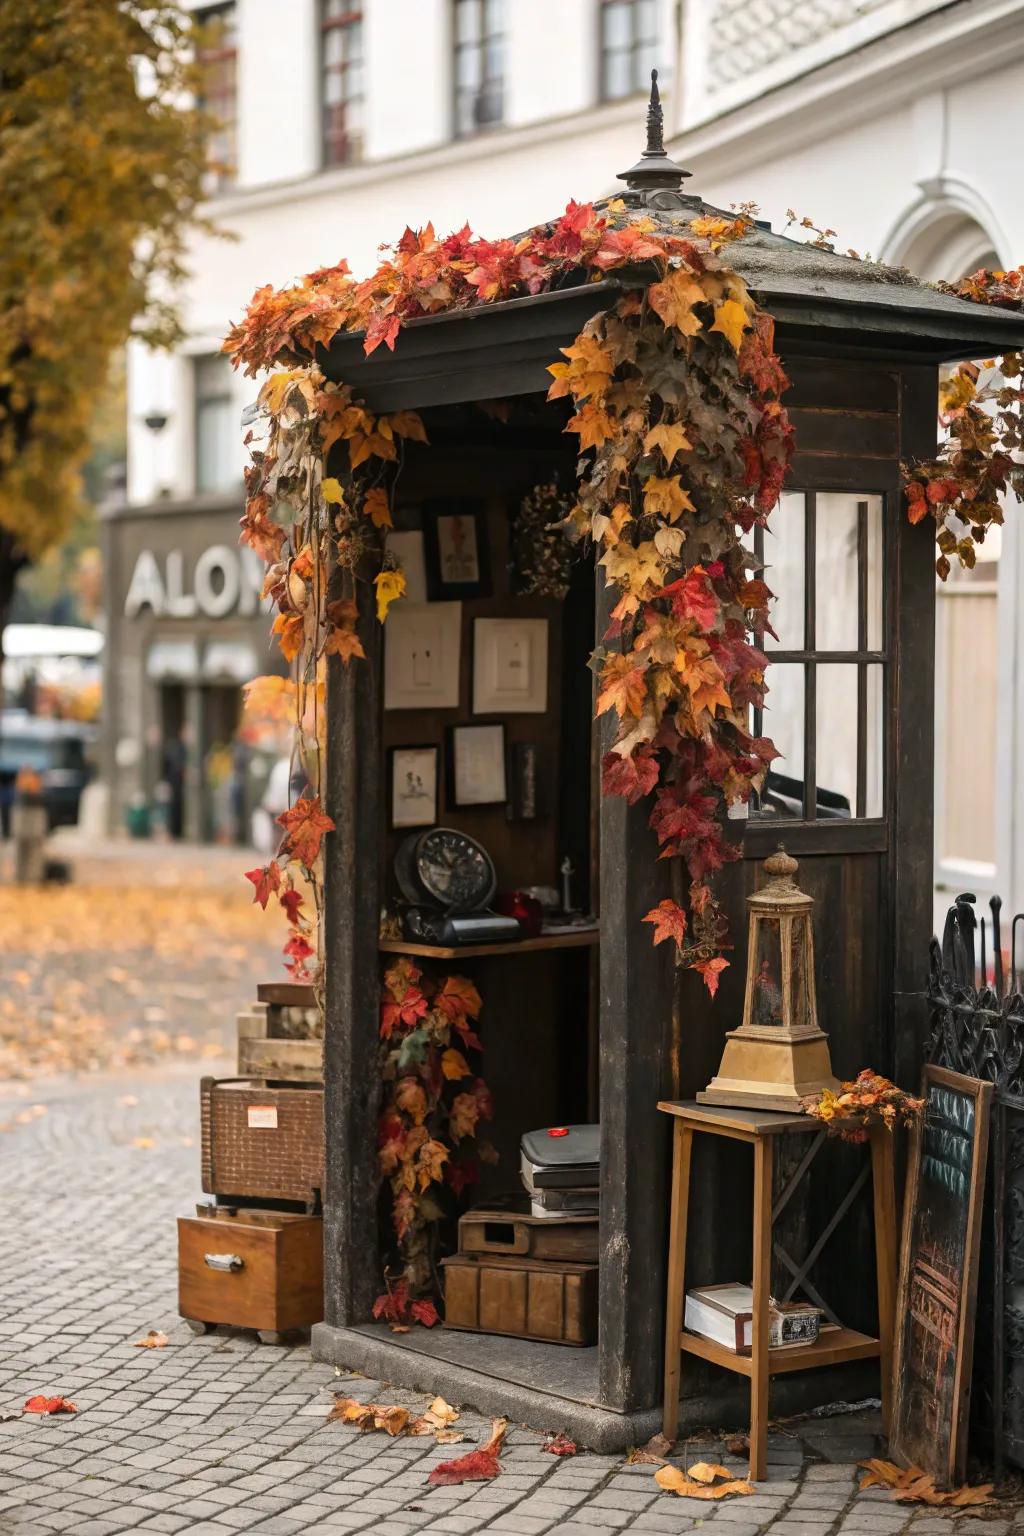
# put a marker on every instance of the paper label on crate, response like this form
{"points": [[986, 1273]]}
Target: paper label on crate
{"points": [[262, 1117]]}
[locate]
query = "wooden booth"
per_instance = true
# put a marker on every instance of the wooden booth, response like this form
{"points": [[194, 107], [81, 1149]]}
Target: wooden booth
{"points": [[596, 1024]]}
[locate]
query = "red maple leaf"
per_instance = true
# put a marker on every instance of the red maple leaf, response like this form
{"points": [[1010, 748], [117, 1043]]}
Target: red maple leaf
{"points": [[291, 900], [425, 1312], [669, 921], [478, 1467], [693, 597], [632, 777], [711, 970], [412, 1005], [392, 1305], [266, 880], [43, 1404], [305, 824]]}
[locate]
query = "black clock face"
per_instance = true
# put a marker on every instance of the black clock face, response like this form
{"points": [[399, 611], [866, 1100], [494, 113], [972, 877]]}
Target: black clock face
{"points": [[454, 870]]}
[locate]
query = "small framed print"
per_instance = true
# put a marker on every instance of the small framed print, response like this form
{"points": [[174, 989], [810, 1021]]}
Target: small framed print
{"points": [[455, 546], [422, 648], [413, 786], [510, 666], [407, 548], [524, 800], [476, 765]]}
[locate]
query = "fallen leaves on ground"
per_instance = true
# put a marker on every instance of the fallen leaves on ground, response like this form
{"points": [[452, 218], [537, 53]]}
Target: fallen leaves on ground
{"points": [[701, 1481], [909, 1485], [478, 1466], [738, 1445], [154, 1339], [435, 1420], [655, 1453], [43, 1404], [560, 1445]]}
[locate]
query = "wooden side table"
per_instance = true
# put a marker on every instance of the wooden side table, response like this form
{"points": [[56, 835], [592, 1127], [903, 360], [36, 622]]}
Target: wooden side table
{"points": [[835, 1343]]}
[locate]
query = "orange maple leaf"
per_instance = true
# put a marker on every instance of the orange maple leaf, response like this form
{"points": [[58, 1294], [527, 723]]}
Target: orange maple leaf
{"points": [[290, 630], [376, 508], [673, 301], [623, 687], [669, 921], [305, 824], [711, 970], [593, 425]]}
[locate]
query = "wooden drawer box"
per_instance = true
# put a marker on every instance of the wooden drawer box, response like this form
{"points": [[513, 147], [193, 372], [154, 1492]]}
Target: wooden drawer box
{"points": [[280, 1037], [262, 1141], [251, 1269], [526, 1298], [515, 1234]]}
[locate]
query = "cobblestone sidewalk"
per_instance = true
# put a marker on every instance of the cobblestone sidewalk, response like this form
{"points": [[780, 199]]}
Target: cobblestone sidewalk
{"points": [[220, 1434]]}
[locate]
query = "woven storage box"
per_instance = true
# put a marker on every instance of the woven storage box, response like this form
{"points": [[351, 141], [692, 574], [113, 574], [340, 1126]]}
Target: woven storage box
{"points": [[525, 1298], [517, 1234], [262, 1141], [251, 1269]]}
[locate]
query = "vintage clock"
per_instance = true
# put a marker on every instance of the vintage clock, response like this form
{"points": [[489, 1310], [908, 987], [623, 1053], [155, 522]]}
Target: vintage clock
{"points": [[448, 878]]}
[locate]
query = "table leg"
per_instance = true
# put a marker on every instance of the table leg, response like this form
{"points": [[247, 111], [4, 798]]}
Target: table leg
{"points": [[883, 1187], [762, 1282], [682, 1141]]}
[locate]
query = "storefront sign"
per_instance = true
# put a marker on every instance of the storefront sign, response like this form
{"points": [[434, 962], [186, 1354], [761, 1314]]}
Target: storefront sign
{"points": [[224, 581]]}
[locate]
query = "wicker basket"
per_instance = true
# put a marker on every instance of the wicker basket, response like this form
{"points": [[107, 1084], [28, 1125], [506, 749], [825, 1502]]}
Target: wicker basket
{"points": [[261, 1141]]}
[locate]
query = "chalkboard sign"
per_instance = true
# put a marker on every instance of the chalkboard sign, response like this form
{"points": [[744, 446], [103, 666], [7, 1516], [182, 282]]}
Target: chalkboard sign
{"points": [[939, 1277]]}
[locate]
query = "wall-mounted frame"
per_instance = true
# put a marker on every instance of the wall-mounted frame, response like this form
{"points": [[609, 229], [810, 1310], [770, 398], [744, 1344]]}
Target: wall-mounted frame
{"points": [[455, 547], [407, 547], [422, 651], [510, 666], [413, 786], [524, 786], [938, 1285], [476, 765]]}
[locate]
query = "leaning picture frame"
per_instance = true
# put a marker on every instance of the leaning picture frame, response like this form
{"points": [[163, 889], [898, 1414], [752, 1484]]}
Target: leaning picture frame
{"points": [[422, 649], [413, 774], [510, 666], [455, 550], [476, 768]]}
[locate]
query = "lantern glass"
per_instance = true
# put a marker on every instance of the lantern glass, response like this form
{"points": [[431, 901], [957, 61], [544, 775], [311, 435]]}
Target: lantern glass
{"points": [[801, 1016], [766, 997]]}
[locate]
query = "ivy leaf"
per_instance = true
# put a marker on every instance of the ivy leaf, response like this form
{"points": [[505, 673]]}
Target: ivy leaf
{"points": [[669, 921], [454, 1065], [376, 508], [411, 1099], [305, 825], [390, 587], [731, 319]]}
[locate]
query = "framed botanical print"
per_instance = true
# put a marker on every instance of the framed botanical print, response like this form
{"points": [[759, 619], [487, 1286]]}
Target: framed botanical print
{"points": [[510, 666], [413, 786], [476, 765], [455, 547], [422, 647]]}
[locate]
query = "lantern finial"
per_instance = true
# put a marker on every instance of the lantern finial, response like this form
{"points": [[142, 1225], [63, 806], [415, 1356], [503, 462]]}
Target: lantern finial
{"points": [[781, 866], [654, 172]]}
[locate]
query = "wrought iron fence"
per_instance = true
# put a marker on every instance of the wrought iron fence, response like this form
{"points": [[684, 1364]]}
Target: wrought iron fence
{"points": [[976, 1010]]}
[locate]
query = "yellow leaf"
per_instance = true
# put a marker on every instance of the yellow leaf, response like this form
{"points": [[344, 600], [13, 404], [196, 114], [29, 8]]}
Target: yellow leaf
{"points": [[666, 496], [454, 1065], [330, 490], [375, 505], [593, 425], [586, 375], [707, 1471], [731, 319], [408, 424], [390, 587], [673, 1480], [674, 299], [669, 437], [276, 390]]}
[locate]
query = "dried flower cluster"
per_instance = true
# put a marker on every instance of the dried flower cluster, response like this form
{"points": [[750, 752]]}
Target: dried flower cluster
{"points": [[542, 559], [869, 1100]]}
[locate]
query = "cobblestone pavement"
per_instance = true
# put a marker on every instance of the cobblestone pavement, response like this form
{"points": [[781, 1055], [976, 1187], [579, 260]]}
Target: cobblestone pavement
{"points": [[221, 1434]]}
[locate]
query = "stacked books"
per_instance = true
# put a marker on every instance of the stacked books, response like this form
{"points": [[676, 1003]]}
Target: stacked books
{"points": [[725, 1314]]}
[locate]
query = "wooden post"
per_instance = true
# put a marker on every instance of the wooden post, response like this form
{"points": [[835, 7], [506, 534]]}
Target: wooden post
{"points": [[682, 1143], [351, 930], [762, 1285], [884, 1195]]}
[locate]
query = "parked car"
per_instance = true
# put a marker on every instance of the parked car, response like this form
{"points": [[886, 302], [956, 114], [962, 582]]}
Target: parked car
{"points": [[57, 750]]}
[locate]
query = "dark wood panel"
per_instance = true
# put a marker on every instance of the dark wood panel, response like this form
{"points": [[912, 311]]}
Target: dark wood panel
{"points": [[861, 434], [819, 384], [836, 472]]}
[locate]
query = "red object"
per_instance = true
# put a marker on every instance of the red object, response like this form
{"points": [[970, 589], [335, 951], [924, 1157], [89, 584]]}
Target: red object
{"points": [[526, 910], [559, 1130]]}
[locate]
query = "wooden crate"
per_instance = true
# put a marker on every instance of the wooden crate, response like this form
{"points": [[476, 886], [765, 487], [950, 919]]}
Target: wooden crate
{"points": [[525, 1298], [262, 1141], [517, 1234], [251, 1269], [280, 1037]]}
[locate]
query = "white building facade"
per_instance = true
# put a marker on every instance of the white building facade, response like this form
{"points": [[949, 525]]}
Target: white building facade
{"points": [[896, 122]]}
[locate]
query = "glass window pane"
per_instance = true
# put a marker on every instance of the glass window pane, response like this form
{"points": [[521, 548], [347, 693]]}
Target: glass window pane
{"points": [[467, 21], [836, 739], [784, 559], [617, 75], [876, 566], [874, 780], [836, 577], [783, 722], [617, 26]]}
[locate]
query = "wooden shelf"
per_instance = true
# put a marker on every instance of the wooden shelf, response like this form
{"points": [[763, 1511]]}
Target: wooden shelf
{"points": [[833, 1347], [571, 939]]}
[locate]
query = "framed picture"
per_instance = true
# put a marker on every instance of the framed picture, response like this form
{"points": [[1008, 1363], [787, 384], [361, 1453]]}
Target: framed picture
{"points": [[510, 666], [938, 1285], [455, 546], [422, 648], [524, 800], [407, 548], [413, 800], [476, 765]]}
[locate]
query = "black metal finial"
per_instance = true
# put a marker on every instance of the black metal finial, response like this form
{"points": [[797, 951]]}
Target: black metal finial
{"points": [[654, 170]]}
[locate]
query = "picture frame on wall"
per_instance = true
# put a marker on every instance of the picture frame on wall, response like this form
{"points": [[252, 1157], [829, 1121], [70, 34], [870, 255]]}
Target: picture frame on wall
{"points": [[413, 785], [510, 666], [422, 652], [476, 765], [407, 548], [455, 550]]}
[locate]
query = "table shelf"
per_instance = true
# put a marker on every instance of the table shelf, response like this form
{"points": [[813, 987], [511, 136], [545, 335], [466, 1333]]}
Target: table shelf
{"points": [[579, 939], [834, 1346]]}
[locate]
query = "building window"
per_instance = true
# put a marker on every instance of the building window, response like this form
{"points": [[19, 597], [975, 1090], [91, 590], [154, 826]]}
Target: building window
{"points": [[629, 46], [217, 58], [341, 55], [829, 658], [479, 65], [216, 428]]}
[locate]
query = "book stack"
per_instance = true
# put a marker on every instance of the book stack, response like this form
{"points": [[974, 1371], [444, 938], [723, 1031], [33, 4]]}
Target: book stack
{"points": [[725, 1314]]}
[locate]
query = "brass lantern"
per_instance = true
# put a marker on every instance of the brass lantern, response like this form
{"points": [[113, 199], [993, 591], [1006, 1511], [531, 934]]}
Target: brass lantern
{"points": [[778, 1054]]}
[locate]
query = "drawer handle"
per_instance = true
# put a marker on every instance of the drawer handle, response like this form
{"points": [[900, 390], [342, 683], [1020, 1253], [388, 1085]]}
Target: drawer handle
{"points": [[229, 1263]]}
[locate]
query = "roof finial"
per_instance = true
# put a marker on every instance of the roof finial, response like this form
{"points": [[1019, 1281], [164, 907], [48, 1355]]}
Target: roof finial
{"points": [[654, 170]]}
